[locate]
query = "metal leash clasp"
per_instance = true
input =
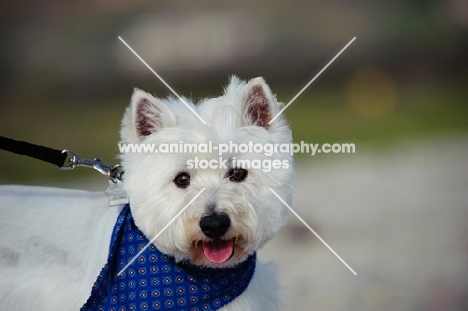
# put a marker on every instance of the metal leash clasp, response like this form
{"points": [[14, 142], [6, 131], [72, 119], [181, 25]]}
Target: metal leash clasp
{"points": [[111, 171]]}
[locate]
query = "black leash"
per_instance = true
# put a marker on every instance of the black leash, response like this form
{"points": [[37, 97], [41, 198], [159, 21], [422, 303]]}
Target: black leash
{"points": [[45, 154], [58, 157]]}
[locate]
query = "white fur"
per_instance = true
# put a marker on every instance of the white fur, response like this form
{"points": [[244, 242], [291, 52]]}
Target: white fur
{"points": [[54, 242]]}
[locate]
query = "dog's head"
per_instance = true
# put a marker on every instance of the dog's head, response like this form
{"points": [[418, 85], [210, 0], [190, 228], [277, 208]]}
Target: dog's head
{"points": [[236, 213]]}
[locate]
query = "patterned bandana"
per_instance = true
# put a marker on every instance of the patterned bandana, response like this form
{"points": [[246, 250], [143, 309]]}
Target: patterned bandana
{"points": [[154, 281]]}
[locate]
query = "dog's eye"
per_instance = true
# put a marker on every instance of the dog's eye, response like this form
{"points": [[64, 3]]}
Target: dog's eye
{"points": [[237, 174], [182, 180]]}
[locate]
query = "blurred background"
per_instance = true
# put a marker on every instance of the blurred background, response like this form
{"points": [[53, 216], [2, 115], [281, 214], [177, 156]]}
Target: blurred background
{"points": [[396, 210]]}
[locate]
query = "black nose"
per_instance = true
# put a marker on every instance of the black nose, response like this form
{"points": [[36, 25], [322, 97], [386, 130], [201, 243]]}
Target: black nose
{"points": [[215, 226]]}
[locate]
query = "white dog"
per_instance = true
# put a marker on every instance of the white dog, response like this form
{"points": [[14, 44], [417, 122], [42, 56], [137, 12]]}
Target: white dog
{"points": [[61, 249]]}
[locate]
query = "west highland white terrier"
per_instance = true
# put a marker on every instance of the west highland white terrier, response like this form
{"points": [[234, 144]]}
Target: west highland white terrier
{"points": [[66, 249]]}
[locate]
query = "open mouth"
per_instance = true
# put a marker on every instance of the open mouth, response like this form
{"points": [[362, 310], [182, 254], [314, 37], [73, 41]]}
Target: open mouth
{"points": [[218, 251]]}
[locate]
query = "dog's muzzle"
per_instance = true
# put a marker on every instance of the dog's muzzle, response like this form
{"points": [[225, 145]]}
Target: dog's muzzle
{"points": [[215, 226]]}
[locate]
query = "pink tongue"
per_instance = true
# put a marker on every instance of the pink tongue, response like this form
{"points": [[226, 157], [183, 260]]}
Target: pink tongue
{"points": [[218, 251]]}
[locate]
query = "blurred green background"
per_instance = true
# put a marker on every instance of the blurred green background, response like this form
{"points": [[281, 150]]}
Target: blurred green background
{"points": [[396, 210], [66, 78]]}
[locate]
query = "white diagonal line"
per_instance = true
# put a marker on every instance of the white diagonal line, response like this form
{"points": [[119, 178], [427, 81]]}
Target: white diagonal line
{"points": [[162, 80], [312, 230], [160, 232], [316, 76]]}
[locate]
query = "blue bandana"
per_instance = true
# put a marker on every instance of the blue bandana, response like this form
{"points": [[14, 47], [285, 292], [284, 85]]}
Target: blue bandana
{"points": [[155, 281]]}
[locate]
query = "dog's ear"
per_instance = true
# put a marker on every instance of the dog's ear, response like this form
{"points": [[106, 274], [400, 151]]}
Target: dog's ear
{"points": [[147, 115], [259, 103]]}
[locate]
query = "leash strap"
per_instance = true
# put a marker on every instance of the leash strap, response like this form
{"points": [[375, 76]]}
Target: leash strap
{"points": [[58, 157], [45, 154]]}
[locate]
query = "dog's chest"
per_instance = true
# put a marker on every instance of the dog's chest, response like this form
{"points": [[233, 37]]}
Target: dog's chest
{"points": [[155, 280]]}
